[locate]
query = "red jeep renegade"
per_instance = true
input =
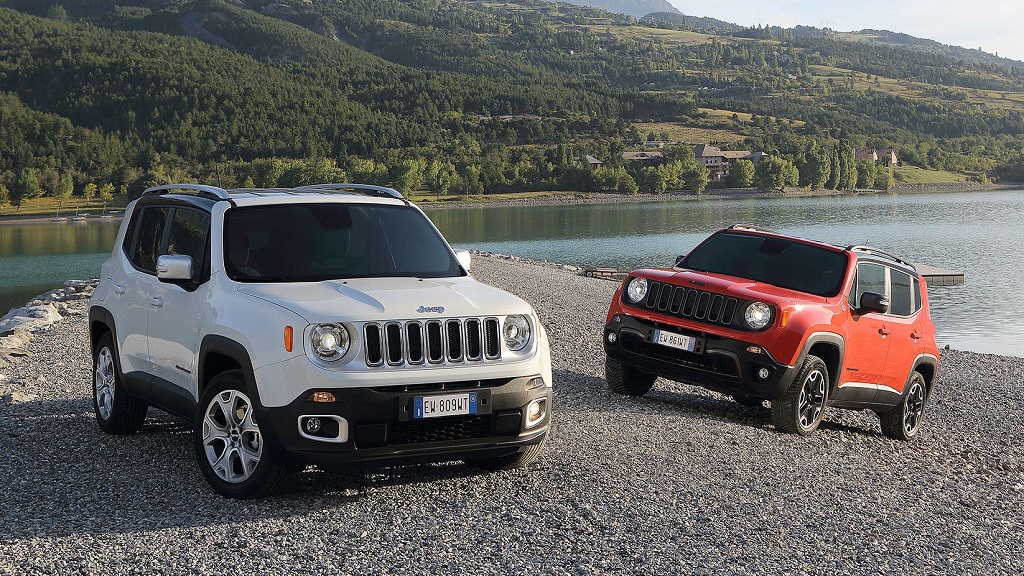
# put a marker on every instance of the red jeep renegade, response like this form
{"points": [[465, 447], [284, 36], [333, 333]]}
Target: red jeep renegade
{"points": [[764, 316]]}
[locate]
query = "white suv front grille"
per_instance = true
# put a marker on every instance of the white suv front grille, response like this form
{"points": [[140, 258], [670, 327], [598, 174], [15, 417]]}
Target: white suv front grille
{"points": [[433, 342]]}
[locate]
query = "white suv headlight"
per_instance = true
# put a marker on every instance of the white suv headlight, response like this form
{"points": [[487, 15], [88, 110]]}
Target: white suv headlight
{"points": [[758, 315], [329, 341], [637, 289], [516, 332]]}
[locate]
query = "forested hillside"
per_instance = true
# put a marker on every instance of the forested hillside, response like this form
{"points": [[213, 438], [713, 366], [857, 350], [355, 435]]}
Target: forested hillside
{"points": [[466, 96]]}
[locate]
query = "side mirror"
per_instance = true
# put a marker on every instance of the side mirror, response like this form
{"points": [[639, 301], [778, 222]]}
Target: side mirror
{"points": [[679, 260], [873, 302], [464, 258], [174, 268]]}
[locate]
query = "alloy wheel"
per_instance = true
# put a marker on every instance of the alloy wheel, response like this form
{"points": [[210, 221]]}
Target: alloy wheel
{"points": [[812, 399], [103, 383], [914, 408], [231, 438]]}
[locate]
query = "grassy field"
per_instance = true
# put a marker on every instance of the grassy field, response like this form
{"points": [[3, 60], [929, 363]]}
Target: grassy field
{"points": [[666, 37], [689, 134], [914, 175], [919, 91], [48, 206]]}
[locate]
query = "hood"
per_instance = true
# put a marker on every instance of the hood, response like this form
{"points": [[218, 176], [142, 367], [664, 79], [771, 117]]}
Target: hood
{"points": [[365, 299], [731, 285]]}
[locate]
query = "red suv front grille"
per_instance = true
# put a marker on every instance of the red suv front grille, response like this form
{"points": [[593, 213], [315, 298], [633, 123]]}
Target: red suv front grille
{"points": [[690, 303]]}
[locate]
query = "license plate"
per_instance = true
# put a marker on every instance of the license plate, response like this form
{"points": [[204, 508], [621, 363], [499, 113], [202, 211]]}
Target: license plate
{"points": [[447, 405], [673, 340]]}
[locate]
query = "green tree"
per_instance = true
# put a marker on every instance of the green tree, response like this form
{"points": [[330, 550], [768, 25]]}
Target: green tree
{"points": [[24, 187], [865, 174], [741, 174], [696, 178], [441, 175], [57, 12], [5, 196], [107, 193], [884, 179], [408, 175], [369, 171], [89, 191], [835, 173]]}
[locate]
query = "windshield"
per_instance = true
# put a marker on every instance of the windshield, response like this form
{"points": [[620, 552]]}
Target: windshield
{"points": [[313, 242], [777, 261]]}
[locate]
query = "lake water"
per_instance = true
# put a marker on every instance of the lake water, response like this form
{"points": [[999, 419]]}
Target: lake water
{"points": [[979, 233]]}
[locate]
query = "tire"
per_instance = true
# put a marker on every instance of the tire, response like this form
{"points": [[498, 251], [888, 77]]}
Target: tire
{"points": [[230, 449], [117, 412], [625, 380], [525, 457], [749, 401], [903, 422], [799, 411]]}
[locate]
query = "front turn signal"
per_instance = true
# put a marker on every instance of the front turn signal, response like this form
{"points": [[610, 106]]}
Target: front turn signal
{"points": [[288, 334]]}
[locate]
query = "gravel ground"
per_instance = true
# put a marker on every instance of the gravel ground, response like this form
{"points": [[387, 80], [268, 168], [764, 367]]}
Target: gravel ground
{"points": [[680, 481]]}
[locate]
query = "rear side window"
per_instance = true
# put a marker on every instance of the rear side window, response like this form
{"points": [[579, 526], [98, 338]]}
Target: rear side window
{"points": [[900, 303], [917, 295], [189, 236], [148, 238]]}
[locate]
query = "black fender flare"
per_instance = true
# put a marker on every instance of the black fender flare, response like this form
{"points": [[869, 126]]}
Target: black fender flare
{"points": [[105, 317], [213, 343], [830, 338], [925, 359]]}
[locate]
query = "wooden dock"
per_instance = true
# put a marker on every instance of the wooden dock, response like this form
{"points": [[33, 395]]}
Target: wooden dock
{"points": [[932, 275], [939, 277]]}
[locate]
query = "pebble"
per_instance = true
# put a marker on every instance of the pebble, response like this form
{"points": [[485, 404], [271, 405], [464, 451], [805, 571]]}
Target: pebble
{"points": [[680, 481]]}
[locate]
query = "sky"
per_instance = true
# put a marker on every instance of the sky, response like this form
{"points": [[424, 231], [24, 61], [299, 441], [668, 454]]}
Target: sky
{"points": [[994, 25]]}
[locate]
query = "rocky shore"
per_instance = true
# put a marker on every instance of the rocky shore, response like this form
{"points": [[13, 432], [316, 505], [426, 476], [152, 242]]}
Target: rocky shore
{"points": [[680, 481]]}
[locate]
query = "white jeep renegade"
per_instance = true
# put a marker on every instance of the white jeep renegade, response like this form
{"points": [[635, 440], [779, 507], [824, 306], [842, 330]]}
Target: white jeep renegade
{"points": [[329, 324]]}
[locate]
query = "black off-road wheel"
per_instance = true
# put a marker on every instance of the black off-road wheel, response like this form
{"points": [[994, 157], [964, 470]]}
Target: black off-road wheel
{"points": [[116, 411], [229, 446], [800, 410], [625, 380], [904, 421], [525, 457]]}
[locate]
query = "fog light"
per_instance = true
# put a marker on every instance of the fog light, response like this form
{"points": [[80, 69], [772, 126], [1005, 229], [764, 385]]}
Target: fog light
{"points": [[535, 412], [312, 425], [763, 373], [612, 337], [321, 397]]}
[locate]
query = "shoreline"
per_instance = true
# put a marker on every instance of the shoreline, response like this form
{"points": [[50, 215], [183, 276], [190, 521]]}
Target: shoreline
{"points": [[570, 198]]}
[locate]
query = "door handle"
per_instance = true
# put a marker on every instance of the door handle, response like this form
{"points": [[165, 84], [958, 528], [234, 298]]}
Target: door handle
{"points": [[156, 301], [884, 331], [119, 289]]}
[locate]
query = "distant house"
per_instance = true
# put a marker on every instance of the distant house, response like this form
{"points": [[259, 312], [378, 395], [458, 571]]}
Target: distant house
{"points": [[719, 161], [654, 144], [868, 154], [886, 155], [590, 162], [643, 157]]}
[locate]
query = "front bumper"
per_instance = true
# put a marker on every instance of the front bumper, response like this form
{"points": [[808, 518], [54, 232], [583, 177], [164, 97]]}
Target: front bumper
{"points": [[722, 364], [380, 429]]}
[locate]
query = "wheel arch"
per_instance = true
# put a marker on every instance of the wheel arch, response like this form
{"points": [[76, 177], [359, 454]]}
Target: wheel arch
{"points": [[218, 354], [927, 366], [101, 321], [831, 348]]}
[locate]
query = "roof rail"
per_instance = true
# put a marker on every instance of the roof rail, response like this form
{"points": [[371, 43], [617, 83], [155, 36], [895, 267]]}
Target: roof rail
{"points": [[369, 189], [883, 253], [752, 227], [197, 189]]}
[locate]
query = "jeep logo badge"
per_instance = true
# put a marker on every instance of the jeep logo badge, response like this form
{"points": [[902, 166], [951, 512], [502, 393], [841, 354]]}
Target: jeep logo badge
{"points": [[424, 309]]}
